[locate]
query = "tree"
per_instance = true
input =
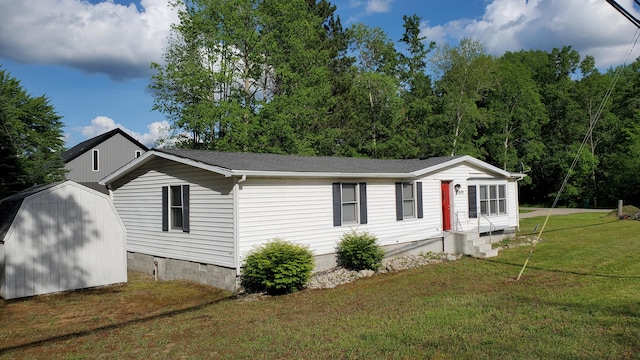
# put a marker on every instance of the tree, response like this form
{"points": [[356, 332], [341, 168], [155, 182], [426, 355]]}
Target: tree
{"points": [[594, 112], [31, 139], [248, 75], [372, 127], [465, 78], [296, 115], [621, 163], [416, 92], [214, 77], [513, 137]]}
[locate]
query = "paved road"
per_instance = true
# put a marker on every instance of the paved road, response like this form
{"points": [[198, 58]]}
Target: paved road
{"points": [[557, 211]]}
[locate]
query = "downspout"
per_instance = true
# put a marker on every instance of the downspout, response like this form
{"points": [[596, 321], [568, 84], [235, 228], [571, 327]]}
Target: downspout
{"points": [[236, 222], [518, 201]]}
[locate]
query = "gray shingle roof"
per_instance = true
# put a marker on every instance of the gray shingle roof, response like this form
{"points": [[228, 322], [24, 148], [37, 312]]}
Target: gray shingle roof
{"points": [[287, 163]]}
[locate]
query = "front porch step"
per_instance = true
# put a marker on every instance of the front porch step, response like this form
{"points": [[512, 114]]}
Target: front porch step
{"points": [[469, 243], [481, 248], [484, 251], [487, 254]]}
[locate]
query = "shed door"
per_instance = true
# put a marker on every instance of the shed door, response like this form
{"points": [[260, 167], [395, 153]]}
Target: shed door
{"points": [[446, 205]]}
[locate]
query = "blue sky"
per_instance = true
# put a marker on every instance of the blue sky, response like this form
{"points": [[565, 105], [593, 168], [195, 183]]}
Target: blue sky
{"points": [[91, 58]]}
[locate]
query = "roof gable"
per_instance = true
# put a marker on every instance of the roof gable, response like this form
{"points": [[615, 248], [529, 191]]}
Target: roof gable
{"points": [[9, 206], [89, 144]]}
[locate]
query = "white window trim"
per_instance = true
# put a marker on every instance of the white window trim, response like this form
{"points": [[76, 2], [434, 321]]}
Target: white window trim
{"points": [[357, 203], [489, 199], [172, 207], [95, 160], [413, 202], [137, 154]]}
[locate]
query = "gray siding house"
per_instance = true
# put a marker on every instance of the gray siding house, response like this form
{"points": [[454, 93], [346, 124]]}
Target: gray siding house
{"points": [[195, 214], [95, 158]]}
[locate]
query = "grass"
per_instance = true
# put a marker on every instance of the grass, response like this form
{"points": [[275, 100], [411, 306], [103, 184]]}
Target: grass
{"points": [[577, 299]]}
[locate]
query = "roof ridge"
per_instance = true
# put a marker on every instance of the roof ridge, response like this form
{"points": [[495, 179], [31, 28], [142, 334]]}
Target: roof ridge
{"points": [[84, 146]]}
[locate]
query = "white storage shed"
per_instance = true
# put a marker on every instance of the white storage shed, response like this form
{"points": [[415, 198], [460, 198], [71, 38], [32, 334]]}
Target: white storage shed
{"points": [[59, 237]]}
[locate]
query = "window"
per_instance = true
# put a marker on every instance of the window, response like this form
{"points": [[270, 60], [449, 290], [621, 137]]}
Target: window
{"points": [[94, 160], [408, 203], [138, 153], [408, 200], [349, 203], [175, 208], [493, 200]]}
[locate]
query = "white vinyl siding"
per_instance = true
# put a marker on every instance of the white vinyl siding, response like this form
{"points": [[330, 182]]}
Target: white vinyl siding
{"points": [[64, 238], [300, 210], [138, 199]]}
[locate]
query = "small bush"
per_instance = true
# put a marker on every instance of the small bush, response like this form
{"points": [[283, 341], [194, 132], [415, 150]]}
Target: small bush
{"points": [[359, 251], [278, 267]]}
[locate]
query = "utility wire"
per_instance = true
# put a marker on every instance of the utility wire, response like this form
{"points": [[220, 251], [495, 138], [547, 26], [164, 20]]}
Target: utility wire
{"points": [[624, 12], [592, 125]]}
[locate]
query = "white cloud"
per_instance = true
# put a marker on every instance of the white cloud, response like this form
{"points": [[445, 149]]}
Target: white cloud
{"points": [[592, 27], [378, 6], [106, 37], [102, 124]]}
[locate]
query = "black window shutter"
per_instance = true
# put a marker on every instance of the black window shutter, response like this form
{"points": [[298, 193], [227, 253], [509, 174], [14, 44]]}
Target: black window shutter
{"points": [[337, 205], [165, 208], [363, 203], [399, 214], [473, 204], [419, 199], [185, 208]]}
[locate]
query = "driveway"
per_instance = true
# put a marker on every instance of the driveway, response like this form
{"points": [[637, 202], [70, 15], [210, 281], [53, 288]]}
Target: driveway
{"points": [[533, 212]]}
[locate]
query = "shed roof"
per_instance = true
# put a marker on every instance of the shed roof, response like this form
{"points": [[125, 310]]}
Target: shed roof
{"points": [[9, 206], [252, 164], [89, 144]]}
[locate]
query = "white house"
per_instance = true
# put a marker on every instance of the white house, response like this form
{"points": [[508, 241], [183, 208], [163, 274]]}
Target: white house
{"points": [[59, 237], [195, 214]]}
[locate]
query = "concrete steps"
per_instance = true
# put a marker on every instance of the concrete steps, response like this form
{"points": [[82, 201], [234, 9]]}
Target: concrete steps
{"points": [[479, 247], [469, 243]]}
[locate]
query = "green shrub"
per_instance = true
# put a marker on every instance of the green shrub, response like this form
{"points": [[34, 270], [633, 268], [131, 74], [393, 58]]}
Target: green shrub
{"points": [[359, 251], [278, 267]]}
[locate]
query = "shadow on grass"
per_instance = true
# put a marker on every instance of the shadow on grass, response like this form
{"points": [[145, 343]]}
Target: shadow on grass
{"points": [[82, 333], [561, 271], [569, 228]]}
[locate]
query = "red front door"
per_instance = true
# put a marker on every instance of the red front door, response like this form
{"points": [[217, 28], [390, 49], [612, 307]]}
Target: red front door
{"points": [[446, 205]]}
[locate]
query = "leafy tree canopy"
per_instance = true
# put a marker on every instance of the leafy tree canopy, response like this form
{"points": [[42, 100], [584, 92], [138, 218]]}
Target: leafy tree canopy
{"points": [[31, 138]]}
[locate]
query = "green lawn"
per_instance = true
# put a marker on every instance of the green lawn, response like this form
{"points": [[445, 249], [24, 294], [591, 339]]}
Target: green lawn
{"points": [[579, 298]]}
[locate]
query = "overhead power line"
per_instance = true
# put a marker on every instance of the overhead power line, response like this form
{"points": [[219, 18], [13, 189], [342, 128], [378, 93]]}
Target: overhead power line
{"points": [[624, 12], [592, 124]]}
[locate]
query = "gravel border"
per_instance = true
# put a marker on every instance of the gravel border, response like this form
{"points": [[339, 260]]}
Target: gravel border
{"points": [[336, 276]]}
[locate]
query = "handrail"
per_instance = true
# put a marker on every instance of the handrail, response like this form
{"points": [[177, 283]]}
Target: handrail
{"points": [[492, 226]]}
